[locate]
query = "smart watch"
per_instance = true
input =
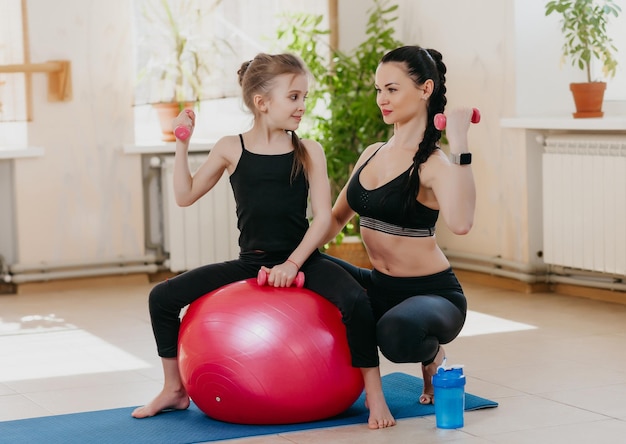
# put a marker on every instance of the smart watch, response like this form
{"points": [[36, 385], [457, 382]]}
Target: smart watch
{"points": [[461, 159]]}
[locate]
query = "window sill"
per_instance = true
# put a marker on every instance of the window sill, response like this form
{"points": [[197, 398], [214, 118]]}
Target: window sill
{"points": [[607, 123], [18, 152]]}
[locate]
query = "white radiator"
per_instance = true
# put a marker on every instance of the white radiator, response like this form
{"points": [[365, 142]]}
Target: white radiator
{"points": [[584, 202], [203, 233]]}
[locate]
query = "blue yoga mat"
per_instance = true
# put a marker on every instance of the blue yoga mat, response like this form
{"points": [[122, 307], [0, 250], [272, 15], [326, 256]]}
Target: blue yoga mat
{"points": [[116, 426]]}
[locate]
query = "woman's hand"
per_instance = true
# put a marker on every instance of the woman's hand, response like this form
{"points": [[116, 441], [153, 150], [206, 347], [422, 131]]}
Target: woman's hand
{"points": [[457, 125]]}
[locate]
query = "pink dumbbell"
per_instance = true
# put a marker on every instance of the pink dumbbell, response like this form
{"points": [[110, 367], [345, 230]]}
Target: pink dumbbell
{"points": [[440, 119], [181, 131], [261, 279]]}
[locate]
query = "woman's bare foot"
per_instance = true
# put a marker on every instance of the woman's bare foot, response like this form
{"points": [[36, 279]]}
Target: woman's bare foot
{"points": [[166, 400], [428, 371]]}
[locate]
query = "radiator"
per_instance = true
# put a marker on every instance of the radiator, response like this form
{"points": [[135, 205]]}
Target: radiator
{"points": [[203, 233], [584, 202]]}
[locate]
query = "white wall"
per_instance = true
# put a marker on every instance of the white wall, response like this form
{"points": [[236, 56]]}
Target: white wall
{"points": [[82, 200], [504, 57]]}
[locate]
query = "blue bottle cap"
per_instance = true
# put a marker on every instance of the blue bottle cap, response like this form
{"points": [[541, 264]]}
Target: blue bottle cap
{"points": [[449, 377]]}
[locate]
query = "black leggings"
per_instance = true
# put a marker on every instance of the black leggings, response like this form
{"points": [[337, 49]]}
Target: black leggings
{"points": [[321, 276], [414, 315]]}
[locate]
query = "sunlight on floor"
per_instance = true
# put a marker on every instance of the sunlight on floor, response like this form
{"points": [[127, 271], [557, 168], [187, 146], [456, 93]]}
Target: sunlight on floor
{"points": [[48, 347], [482, 324], [55, 350]]}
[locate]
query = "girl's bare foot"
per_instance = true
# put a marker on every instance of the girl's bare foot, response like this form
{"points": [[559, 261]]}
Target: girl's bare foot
{"points": [[428, 371], [380, 416], [166, 400]]}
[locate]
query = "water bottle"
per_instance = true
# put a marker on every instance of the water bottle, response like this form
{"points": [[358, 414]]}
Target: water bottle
{"points": [[449, 384]]}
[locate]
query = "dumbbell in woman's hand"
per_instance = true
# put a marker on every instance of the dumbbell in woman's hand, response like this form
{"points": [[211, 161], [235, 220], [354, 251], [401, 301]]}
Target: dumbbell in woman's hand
{"points": [[261, 279], [183, 132], [440, 119]]}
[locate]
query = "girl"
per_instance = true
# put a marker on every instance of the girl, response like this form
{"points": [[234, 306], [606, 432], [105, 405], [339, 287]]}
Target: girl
{"points": [[271, 172]]}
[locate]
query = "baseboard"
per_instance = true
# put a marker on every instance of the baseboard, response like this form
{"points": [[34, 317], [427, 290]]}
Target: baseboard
{"points": [[81, 283], [473, 277], [7, 288], [599, 294], [464, 276], [161, 275]]}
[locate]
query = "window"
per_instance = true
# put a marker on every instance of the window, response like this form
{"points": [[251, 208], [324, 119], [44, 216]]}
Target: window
{"points": [[223, 32], [239, 29]]}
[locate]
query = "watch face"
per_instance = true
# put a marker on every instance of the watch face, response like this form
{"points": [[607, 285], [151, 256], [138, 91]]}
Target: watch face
{"points": [[465, 159], [461, 159]]}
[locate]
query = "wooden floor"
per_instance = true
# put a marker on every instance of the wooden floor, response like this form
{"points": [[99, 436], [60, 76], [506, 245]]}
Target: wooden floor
{"points": [[554, 362]]}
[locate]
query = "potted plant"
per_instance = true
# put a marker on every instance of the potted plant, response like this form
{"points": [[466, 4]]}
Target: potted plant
{"points": [[584, 27], [343, 115], [178, 50]]}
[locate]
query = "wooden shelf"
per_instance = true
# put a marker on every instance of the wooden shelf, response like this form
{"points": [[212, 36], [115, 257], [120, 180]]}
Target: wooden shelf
{"points": [[59, 77]]}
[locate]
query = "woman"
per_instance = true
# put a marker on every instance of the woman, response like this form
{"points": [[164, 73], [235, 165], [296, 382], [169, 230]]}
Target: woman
{"points": [[399, 188], [271, 172]]}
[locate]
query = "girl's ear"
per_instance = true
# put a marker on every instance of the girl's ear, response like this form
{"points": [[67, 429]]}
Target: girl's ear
{"points": [[259, 103]]}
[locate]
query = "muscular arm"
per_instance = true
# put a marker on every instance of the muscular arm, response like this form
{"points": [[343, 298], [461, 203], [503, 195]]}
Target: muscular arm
{"points": [[453, 185]]}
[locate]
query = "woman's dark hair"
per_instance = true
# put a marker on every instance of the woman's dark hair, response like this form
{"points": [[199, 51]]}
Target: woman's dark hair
{"points": [[258, 76], [422, 64]]}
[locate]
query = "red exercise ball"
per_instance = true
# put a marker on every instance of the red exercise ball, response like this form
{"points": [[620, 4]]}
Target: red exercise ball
{"points": [[264, 355]]}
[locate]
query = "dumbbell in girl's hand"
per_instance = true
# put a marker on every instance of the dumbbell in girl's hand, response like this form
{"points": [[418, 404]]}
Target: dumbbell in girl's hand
{"points": [[440, 119], [261, 279], [183, 132]]}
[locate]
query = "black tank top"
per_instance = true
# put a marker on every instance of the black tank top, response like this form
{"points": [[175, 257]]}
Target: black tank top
{"points": [[383, 209], [271, 206]]}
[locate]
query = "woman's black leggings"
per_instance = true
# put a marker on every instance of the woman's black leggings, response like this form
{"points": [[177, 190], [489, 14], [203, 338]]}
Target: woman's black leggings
{"points": [[414, 315], [321, 276]]}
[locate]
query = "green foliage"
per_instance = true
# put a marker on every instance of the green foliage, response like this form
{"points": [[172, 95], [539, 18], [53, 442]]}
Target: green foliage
{"points": [[583, 23], [342, 111]]}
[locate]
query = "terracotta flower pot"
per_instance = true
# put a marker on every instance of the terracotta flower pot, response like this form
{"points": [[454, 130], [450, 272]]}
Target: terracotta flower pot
{"points": [[167, 112], [588, 98]]}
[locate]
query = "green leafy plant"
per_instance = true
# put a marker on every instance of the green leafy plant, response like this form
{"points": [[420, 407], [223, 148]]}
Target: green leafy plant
{"points": [[180, 51], [584, 26], [342, 111]]}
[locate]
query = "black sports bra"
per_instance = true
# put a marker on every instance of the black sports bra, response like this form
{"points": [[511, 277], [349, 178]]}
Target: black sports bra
{"points": [[383, 208]]}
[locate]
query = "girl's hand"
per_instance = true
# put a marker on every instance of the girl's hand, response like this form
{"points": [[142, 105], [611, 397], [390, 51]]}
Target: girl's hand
{"points": [[281, 275], [186, 119]]}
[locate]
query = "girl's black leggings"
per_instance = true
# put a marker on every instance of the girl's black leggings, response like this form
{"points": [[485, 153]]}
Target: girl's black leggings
{"points": [[414, 315], [322, 276]]}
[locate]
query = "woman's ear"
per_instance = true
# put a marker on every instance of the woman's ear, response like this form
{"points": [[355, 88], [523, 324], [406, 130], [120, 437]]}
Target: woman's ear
{"points": [[428, 87]]}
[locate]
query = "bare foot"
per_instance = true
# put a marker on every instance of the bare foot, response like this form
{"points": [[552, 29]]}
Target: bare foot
{"points": [[428, 371], [380, 416], [166, 400]]}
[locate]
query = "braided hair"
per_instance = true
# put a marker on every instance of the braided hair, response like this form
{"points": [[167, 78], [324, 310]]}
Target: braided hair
{"points": [[422, 64]]}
